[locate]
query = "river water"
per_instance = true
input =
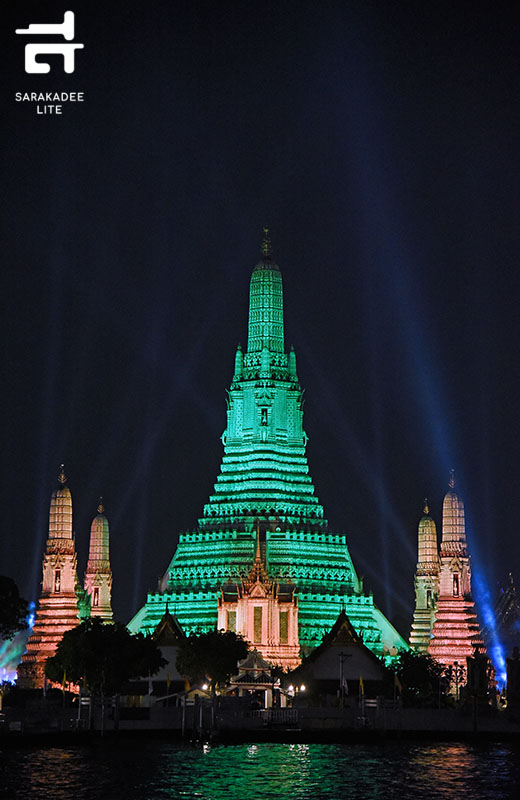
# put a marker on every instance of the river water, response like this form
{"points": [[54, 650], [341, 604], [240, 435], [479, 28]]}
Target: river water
{"points": [[157, 769]]}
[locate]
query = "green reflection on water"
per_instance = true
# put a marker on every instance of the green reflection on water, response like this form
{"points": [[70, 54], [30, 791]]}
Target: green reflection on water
{"points": [[153, 769]]}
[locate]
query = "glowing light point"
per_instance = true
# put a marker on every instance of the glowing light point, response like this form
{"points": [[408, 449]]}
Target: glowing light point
{"points": [[266, 244]]}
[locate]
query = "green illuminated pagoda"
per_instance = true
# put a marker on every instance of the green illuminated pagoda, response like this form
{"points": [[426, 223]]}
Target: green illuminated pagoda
{"points": [[264, 490]]}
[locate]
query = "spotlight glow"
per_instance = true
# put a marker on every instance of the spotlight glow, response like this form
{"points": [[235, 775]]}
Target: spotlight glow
{"points": [[495, 648], [12, 650]]}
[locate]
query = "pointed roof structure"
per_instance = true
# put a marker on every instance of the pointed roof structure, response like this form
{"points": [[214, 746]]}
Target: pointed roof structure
{"points": [[427, 548], [341, 652], [453, 522], [168, 632], [258, 573], [342, 633], [254, 661]]}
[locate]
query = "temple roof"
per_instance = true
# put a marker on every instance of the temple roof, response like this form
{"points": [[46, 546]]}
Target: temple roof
{"points": [[254, 669], [453, 521], [341, 636], [60, 512], [426, 524], [168, 632], [99, 547], [258, 572]]}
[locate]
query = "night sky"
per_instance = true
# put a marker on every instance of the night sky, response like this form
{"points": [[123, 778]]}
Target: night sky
{"points": [[379, 141]]}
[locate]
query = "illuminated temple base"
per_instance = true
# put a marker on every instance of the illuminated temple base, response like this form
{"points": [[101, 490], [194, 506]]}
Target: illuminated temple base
{"points": [[317, 613], [56, 615], [456, 633]]}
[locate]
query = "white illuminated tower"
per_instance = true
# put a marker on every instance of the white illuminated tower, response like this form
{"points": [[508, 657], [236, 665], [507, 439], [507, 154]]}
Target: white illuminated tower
{"points": [[98, 577], [426, 583]]}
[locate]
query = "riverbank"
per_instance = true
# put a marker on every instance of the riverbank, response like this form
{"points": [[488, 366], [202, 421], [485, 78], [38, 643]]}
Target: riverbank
{"points": [[301, 725]]}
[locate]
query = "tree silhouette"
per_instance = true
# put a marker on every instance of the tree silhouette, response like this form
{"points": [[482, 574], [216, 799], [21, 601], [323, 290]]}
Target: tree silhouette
{"points": [[13, 609], [211, 656], [103, 657], [421, 678]]}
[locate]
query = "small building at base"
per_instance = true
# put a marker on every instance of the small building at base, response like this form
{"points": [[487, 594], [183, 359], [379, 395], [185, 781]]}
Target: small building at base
{"points": [[340, 666], [255, 677]]}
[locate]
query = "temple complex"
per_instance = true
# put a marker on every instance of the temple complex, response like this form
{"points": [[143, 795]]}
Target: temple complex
{"points": [[98, 576], [61, 596], [264, 494], [445, 622]]}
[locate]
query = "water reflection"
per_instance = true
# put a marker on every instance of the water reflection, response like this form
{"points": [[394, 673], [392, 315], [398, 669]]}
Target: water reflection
{"points": [[150, 769]]}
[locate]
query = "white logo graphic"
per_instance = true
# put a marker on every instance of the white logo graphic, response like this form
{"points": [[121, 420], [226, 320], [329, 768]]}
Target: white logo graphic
{"points": [[65, 29]]}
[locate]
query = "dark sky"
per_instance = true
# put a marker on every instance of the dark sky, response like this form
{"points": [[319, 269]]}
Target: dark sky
{"points": [[379, 141]]}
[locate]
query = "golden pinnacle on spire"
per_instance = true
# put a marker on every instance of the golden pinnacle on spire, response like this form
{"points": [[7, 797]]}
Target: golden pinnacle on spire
{"points": [[62, 478], [258, 572], [452, 479], [426, 510], [258, 556], [266, 244], [100, 507]]}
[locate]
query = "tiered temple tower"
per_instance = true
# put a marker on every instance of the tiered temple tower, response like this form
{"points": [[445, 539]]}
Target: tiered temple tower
{"points": [[426, 583], [264, 482], [59, 606], [98, 577], [456, 632]]}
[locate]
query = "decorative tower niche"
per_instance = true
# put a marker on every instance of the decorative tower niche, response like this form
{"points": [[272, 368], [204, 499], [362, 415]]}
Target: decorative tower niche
{"points": [[265, 613], [98, 577], [426, 583], [456, 632], [58, 609]]}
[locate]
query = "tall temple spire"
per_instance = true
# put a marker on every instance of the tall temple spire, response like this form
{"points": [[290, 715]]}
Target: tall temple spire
{"points": [[426, 582], [264, 476], [60, 513], [456, 632], [265, 330], [264, 469], [58, 609], [98, 576], [453, 522]]}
